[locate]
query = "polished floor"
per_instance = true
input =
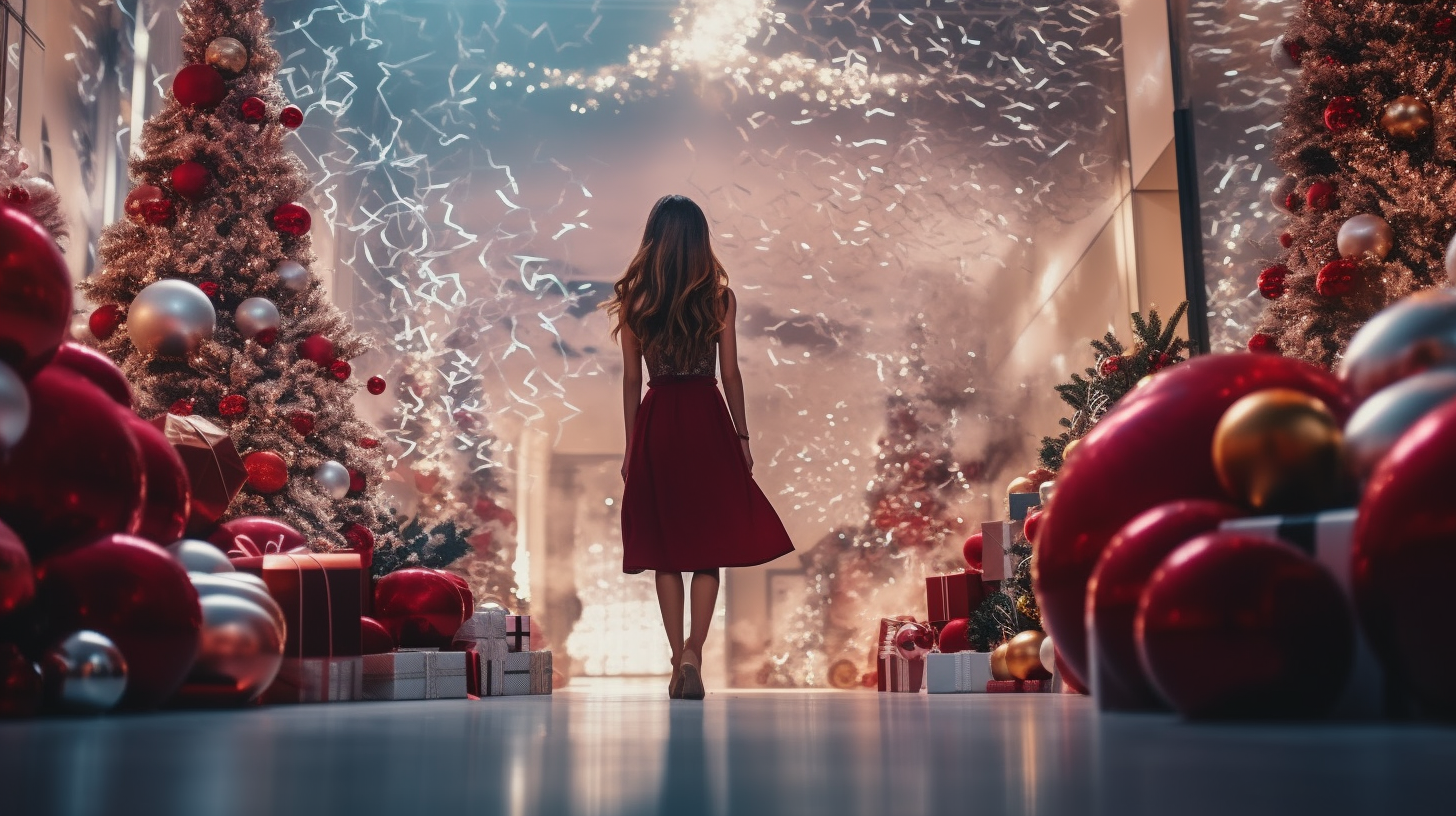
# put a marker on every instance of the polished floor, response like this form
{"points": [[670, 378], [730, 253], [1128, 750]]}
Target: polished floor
{"points": [[617, 748]]}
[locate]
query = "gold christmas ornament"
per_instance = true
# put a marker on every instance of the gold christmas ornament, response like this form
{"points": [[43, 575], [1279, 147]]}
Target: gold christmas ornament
{"points": [[1020, 484], [227, 54], [1406, 118], [844, 674], [1281, 451], [1023, 656], [1071, 446], [999, 669]]}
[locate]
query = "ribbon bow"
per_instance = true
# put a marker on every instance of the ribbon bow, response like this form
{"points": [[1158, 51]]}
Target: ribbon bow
{"points": [[244, 547]]}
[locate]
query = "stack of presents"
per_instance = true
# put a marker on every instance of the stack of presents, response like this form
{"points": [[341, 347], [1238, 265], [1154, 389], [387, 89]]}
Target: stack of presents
{"points": [[955, 597]]}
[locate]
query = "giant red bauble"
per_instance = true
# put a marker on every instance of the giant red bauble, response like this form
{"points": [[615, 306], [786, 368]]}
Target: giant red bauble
{"points": [[1403, 563], [421, 608], [1154, 447], [971, 551], [137, 595], [35, 293], [373, 637], [96, 367], [168, 497], [466, 596], [1117, 585], [199, 86], [77, 474], [1234, 625]]}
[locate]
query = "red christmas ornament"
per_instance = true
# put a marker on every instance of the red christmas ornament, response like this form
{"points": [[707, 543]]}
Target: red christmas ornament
{"points": [[1109, 365], [375, 639], [76, 474], [1444, 26], [1337, 277], [972, 552], [955, 636], [19, 196], [104, 321], [98, 369], [1271, 281], [359, 537], [168, 497], [368, 444], [1341, 113], [1159, 361], [254, 110], [191, 180], [1321, 195], [1286, 240], [292, 219], [213, 466], [317, 349], [183, 407], [466, 596], [22, 689], [138, 200], [420, 607], [375, 385], [290, 117], [266, 338], [199, 86], [17, 585], [232, 406], [1031, 525], [1295, 48], [208, 288], [267, 472], [914, 640], [340, 369], [1262, 343], [1235, 625], [1117, 584], [251, 536], [137, 595], [302, 422], [35, 294], [356, 481], [1108, 481]]}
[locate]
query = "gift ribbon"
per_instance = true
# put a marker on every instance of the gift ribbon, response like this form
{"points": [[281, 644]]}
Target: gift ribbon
{"points": [[244, 547], [328, 597]]}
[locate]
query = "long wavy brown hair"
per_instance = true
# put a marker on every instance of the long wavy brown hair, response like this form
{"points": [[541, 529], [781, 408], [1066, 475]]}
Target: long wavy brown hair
{"points": [[673, 295]]}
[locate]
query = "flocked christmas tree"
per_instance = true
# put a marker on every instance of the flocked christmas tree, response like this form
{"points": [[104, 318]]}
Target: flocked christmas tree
{"points": [[21, 187], [1156, 345], [207, 298], [1370, 171]]}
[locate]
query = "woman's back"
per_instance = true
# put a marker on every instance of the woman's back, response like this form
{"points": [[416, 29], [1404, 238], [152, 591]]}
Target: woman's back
{"points": [[704, 366]]}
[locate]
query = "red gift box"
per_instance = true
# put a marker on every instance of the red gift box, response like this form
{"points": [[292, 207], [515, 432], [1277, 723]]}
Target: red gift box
{"points": [[1018, 686], [900, 675], [953, 596], [320, 596]]}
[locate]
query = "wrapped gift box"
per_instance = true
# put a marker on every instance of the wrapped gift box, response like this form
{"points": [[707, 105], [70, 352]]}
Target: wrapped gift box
{"points": [[490, 674], [996, 540], [952, 596], [899, 675], [1328, 538], [1019, 504], [958, 673], [317, 680], [483, 624], [320, 595], [1018, 686], [411, 674], [526, 673], [518, 633]]}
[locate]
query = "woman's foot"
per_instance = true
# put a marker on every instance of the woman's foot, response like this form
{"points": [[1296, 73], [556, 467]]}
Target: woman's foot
{"points": [[692, 676], [674, 683]]}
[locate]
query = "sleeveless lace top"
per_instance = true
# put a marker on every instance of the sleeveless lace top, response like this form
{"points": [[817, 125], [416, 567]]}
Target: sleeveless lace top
{"points": [[705, 366]]}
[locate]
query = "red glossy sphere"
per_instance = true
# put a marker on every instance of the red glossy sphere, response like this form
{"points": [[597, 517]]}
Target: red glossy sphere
{"points": [[1117, 584], [340, 369], [1233, 625], [361, 540], [199, 86], [1271, 281], [1338, 277], [191, 179], [267, 471], [17, 585], [914, 640], [208, 288], [955, 636], [104, 321], [971, 550], [168, 498], [317, 349], [1341, 113], [1320, 195], [183, 407], [75, 476], [97, 368], [254, 109], [1261, 343], [419, 607], [137, 595], [257, 535], [292, 219], [35, 293], [374, 637], [356, 481], [302, 422], [290, 117], [232, 406], [466, 596], [143, 203], [375, 385], [22, 689], [1032, 525], [1114, 476], [1403, 565]]}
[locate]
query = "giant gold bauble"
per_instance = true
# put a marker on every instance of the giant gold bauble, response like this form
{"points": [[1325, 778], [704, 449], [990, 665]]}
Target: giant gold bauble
{"points": [[1281, 451], [1023, 656], [999, 669]]}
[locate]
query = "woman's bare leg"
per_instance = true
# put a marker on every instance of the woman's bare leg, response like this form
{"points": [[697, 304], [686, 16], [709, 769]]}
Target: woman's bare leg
{"points": [[704, 598], [670, 600]]}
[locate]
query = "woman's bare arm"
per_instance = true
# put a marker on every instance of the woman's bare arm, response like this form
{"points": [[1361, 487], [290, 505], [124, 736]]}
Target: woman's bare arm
{"points": [[732, 377], [631, 387]]}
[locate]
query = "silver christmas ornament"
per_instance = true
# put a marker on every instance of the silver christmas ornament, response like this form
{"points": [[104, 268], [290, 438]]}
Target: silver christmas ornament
{"points": [[240, 654], [1365, 236], [256, 315], [294, 276], [14, 409], [1048, 654], [1045, 492], [1413, 334], [1279, 189], [170, 318], [1281, 57], [1381, 420], [227, 54], [236, 585], [200, 556], [333, 478], [81, 328], [86, 673]]}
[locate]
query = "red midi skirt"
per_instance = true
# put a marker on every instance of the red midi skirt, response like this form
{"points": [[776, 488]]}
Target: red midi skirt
{"points": [[689, 502]]}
